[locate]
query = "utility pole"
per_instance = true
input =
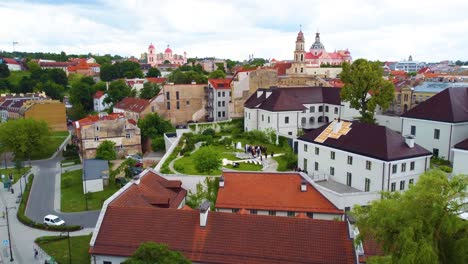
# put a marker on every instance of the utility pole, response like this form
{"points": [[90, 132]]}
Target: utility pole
{"points": [[9, 236], [13, 44]]}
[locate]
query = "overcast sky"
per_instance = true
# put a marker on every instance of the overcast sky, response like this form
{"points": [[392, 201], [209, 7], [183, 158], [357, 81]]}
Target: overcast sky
{"points": [[429, 30]]}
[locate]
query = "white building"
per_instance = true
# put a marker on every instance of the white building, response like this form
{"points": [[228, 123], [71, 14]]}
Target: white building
{"points": [[288, 110], [460, 158], [409, 65], [439, 122], [219, 98], [98, 101], [12, 64], [95, 175], [354, 157]]}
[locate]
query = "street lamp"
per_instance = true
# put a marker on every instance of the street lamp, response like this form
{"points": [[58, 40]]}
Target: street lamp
{"points": [[69, 247], [8, 228]]}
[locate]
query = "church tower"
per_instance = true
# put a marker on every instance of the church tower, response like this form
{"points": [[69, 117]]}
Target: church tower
{"points": [[151, 57], [299, 54]]}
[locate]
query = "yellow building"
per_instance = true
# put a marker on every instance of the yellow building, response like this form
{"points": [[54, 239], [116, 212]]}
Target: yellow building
{"points": [[51, 111]]}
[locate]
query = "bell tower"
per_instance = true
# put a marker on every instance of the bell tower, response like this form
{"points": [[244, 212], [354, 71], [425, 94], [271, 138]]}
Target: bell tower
{"points": [[299, 54]]}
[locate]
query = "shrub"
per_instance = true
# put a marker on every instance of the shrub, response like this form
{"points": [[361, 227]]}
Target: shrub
{"points": [[206, 159], [445, 168], [179, 167], [257, 137], [290, 158], [157, 143], [209, 132], [72, 151]]}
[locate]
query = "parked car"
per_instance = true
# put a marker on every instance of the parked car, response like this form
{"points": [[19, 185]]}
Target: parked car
{"points": [[53, 220], [135, 157], [136, 170], [139, 164], [121, 181]]}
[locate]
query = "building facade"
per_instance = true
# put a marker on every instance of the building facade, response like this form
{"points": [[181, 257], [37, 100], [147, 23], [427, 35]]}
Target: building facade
{"points": [[219, 98], [98, 101], [460, 158], [134, 108], [51, 111], [155, 59]]}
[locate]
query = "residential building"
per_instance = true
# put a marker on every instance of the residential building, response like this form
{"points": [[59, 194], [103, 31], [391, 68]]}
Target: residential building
{"points": [[360, 158], [289, 110], [156, 80], [240, 85], [95, 175], [133, 108], [93, 130], [440, 122], [51, 111], [210, 65], [12, 64], [409, 65], [162, 58], [56, 65], [293, 195], [83, 67], [98, 101], [218, 99], [460, 158], [136, 84], [203, 236]]}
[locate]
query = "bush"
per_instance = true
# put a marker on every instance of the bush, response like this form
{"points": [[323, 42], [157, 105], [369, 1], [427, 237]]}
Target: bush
{"points": [[256, 136], [179, 168], [72, 151], [290, 158], [206, 159], [445, 168], [209, 132], [157, 143]]}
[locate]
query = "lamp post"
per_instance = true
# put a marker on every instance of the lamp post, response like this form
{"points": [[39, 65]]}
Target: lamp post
{"points": [[8, 228], [69, 247]]}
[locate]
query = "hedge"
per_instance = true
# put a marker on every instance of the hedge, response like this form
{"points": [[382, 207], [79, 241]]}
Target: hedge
{"points": [[25, 220]]}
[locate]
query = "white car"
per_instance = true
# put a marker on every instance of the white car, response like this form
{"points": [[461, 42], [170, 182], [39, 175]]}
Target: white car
{"points": [[53, 220], [134, 157]]}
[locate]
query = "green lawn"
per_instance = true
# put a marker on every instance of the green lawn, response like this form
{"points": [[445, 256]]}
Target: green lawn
{"points": [[243, 166], [57, 248], [73, 198], [281, 163], [186, 165], [16, 76], [16, 174], [55, 140]]}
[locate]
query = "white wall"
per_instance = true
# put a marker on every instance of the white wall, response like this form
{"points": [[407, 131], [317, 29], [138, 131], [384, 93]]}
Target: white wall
{"points": [[93, 185], [460, 161], [99, 259], [99, 104], [392, 122], [14, 67], [222, 98]]}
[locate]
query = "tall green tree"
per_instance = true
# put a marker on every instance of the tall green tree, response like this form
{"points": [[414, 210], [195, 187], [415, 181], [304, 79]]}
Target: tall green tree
{"points": [[421, 225], [52, 89], [153, 72], [82, 93], [108, 72], [118, 90], [106, 150], [149, 90], [153, 253], [361, 79], [153, 125], [24, 137], [4, 71], [218, 74], [206, 191], [58, 76]]}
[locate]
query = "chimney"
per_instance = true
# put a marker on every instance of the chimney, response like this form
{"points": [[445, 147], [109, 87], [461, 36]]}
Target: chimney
{"points": [[337, 126], [409, 140], [136, 179], [221, 182], [259, 93], [303, 185], [204, 209]]}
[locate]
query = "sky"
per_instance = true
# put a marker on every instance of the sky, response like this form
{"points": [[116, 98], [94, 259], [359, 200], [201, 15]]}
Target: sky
{"points": [[391, 30]]}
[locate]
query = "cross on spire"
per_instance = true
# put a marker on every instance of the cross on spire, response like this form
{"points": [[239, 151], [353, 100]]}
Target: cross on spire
{"points": [[300, 27]]}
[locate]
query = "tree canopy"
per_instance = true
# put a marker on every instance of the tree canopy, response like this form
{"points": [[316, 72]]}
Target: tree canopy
{"points": [[362, 78], [106, 150], [153, 72], [153, 125], [206, 159], [153, 253], [4, 71], [118, 90], [422, 224], [125, 69], [218, 74], [206, 191], [186, 77], [149, 90]]}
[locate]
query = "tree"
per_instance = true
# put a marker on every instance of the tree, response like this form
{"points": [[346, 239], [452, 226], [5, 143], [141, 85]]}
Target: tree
{"points": [[362, 78], [118, 90], [206, 191], [58, 76], [82, 93], [108, 72], [26, 85], [4, 71], [153, 125], [106, 150], [52, 89], [206, 160], [153, 72], [151, 253], [421, 225], [220, 67], [149, 90], [24, 137], [166, 62], [157, 143], [218, 74]]}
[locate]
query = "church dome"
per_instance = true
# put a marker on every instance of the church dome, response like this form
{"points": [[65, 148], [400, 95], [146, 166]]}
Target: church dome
{"points": [[151, 46], [168, 50]]}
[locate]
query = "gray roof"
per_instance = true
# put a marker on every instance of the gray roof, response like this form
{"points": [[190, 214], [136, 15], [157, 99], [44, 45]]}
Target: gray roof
{"points": [[436, 87], [95, 169]]}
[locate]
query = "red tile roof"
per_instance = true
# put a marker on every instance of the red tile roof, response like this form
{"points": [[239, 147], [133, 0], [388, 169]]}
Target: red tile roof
{"points": [[98, 94], [156, 80], [220, 83], [450, 105], [371, 248], [398, 73], [370, 140], [94, 118], [10, 61], [131, 104], [462, 145], [226, 238], [271, 191], [58, 64], [281, 67]]}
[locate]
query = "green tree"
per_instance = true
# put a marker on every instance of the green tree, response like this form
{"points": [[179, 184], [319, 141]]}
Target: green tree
{"points": [[26, 85], [206, 160], [153, 253], [108, 72], [421, 225], [106, 150], [362, 78], [166, 62], [153, 72], [206, 191], [82, 93], [230, 64], [52, 89], [118, 90], [99, 86], [58, 76], [153, 125], [157, 143], [24, 137], [149, 90], [220, 67], [218, 74], [4, 71]]}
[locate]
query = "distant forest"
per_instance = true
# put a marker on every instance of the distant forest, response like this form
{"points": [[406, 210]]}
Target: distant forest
{"points": [[107, 58]]}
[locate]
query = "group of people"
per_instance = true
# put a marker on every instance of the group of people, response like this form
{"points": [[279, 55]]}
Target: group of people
{"points": [[257, 151]]}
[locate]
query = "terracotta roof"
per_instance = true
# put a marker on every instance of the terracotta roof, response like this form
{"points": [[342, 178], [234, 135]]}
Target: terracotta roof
{"points": [[156, 80], [293, 99], [424, 70], [462, 145], [136, 105], [226, 238], [10, 61], [271, 191], [220, 83], [450, 105], [94, 118], [98, 94], [369, 140], [371, 248], [57, 64], [153, 190], [281, 67], [398, 73]]}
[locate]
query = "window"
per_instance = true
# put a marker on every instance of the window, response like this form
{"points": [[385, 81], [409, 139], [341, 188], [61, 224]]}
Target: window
{"points": [[107, 262], [219, 103], [394, 168], [168, 105], [224, 94], [332, 155], [403, 167], [320, 109], [253, 211], [435, 152], [127, 135], [350, 160], [96, 138], [326, 108], [310, 215], [235, 210], [405, 98], [336, 110], [224, 103], [317, 150], [411, 181], [290, 133], [219, 114], [368, 165], [316, 166], [263, 118], [97, 128], [152, 108], [305, 164], [332, 171], [272, 213], [305, 147], [268, 120], [402, 185], [224, 114], [188, 103], [249, 115], [286, 120], [436, 133], [219, 94], [312, 109], [413, 130], [302, 69], [349, 177], [367, 185], [178, 105], [411, 166], [393, 187], [177, 95], [168, 96], [291, 214]]}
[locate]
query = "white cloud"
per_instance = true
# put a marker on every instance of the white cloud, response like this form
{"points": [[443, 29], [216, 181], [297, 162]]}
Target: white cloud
{"points": [[385, 30]]}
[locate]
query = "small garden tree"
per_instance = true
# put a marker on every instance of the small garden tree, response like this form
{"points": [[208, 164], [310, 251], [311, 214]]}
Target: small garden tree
{"points": [[106, 151], [206, 159], [151, 253], [206, 191]]}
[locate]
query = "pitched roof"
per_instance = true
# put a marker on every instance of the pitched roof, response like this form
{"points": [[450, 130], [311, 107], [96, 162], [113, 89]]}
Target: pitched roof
{"points": [[281, 67], [94, 118], [462, 145], [156, 80], [220, 83], [136, 105], [95, 169], [450, 105], [10, 61], [226, 238], [98, 94], [271, 191], [292, 99], [373, 141]]}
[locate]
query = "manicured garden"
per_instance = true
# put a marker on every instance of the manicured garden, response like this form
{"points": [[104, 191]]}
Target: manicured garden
{"points": [[57, 247], [73, 198]]}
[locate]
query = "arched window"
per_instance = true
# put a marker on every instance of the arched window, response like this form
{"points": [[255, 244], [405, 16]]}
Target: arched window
{"points": [[320, 119], [302, 69], [295, 69], [303, 120], [326, 119], [311, 120], [302, 57]]}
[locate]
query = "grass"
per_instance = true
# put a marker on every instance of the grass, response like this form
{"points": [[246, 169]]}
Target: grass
{"points": [[16, 76], [55, 140], [281, 163], [16, 174], [57, 247], [73, 198], [243, 166], [186, 165]]}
